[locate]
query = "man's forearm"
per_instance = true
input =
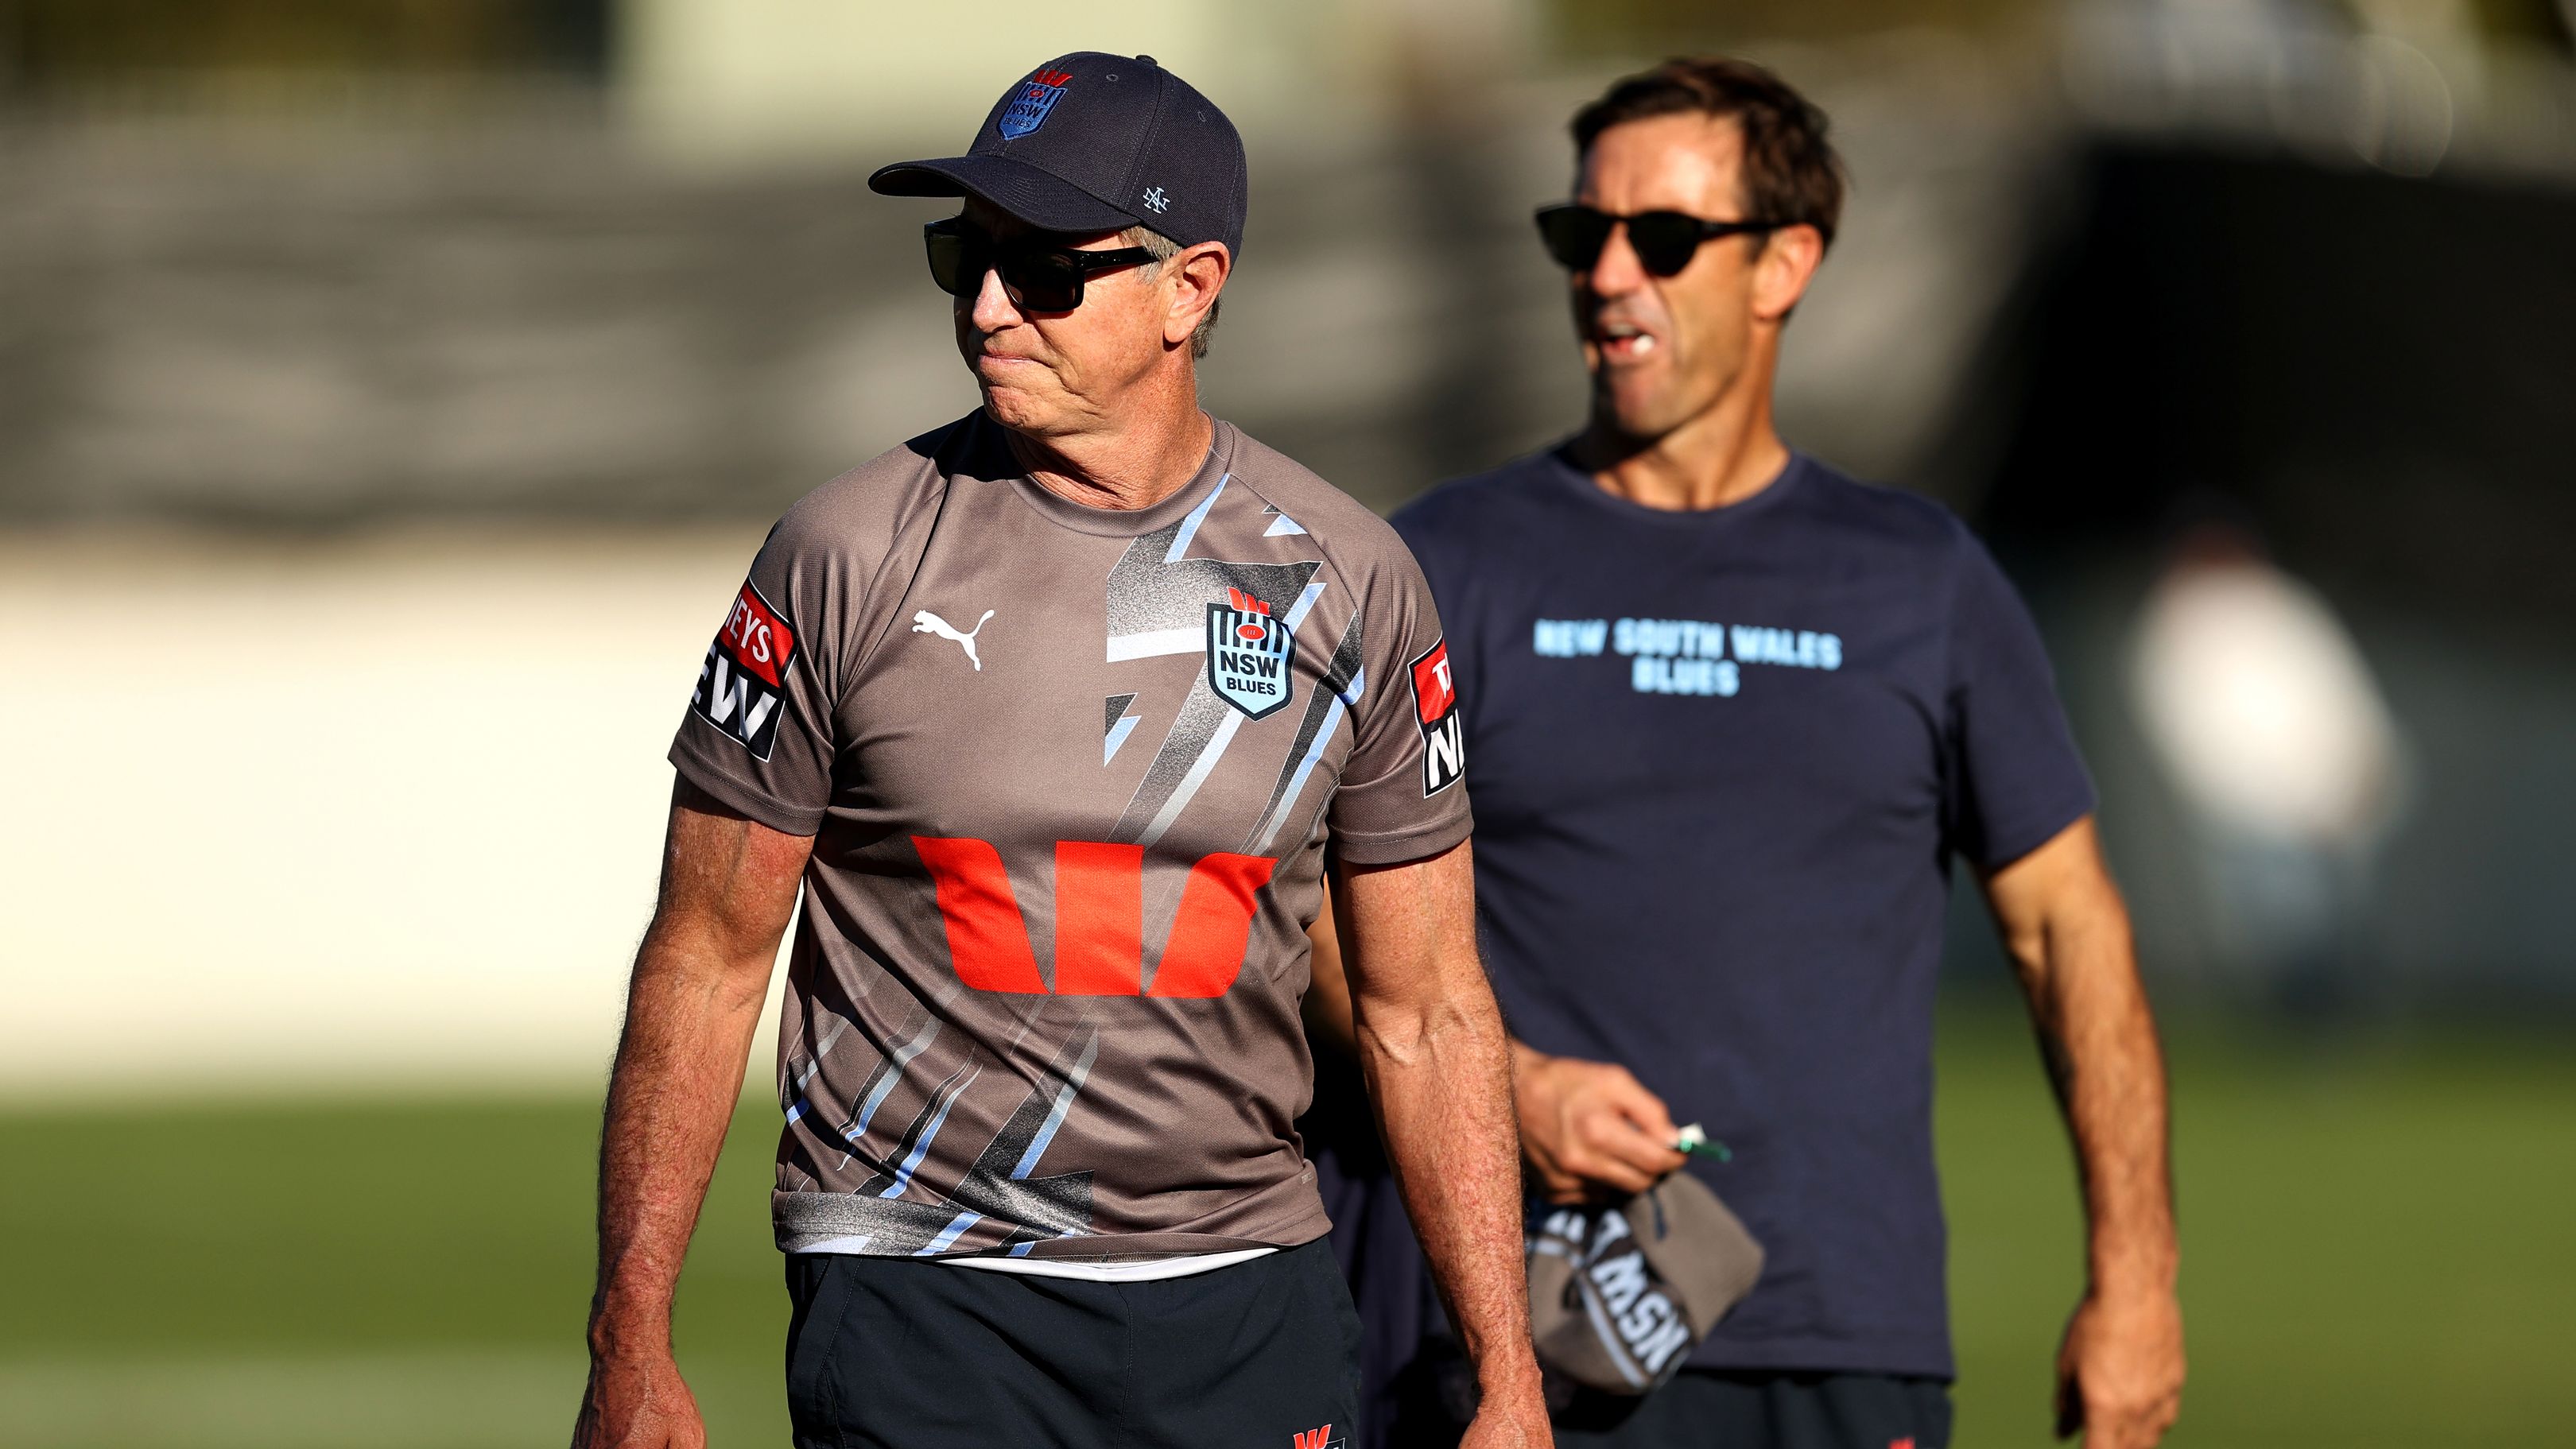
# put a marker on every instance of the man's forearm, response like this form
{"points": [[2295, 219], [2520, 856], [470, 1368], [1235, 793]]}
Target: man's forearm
{"points": [[1439, 1070], [2099, 1039], [2120, 1366], [690, 1014], [1441, 1077]]}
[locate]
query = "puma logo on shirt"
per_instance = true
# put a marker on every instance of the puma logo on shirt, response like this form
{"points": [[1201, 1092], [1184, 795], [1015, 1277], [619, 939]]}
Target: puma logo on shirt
{"points": [[926, 622]]}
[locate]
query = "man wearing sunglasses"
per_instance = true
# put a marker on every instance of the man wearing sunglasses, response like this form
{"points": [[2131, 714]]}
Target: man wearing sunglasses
{"points": [[1055, 714], [1733, 713]]}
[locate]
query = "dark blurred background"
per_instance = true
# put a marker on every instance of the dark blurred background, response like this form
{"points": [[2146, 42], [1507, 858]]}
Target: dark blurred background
{"points": [[392, 391]]}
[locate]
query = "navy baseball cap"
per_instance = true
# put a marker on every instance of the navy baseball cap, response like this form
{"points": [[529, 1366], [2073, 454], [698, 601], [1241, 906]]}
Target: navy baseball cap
{"points": [[1090, 143]]}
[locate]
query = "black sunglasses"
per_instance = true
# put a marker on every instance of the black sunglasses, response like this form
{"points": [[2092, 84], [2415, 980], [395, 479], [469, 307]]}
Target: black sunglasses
{"points": [[1040, 275], [1665, 241]]}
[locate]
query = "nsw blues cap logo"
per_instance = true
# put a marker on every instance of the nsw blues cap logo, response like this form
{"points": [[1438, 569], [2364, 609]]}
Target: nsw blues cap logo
{"points": [[1028, 110]]}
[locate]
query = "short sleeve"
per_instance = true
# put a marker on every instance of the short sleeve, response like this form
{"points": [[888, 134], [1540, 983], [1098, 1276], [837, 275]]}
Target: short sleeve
{"points": [[2016, 778], [1403, 792], [759, 733]]}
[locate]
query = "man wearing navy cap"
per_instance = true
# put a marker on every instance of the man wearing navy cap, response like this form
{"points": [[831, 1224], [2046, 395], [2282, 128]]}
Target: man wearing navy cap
{"points": [[1053, 714]]}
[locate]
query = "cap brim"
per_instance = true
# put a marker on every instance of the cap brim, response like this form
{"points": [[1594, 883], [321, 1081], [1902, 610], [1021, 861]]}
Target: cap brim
{"points": [[1039, 198]]}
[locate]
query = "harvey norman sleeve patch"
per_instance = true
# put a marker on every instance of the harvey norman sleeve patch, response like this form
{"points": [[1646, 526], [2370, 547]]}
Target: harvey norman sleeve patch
{"points": [[742, 688], [1444, 738]]}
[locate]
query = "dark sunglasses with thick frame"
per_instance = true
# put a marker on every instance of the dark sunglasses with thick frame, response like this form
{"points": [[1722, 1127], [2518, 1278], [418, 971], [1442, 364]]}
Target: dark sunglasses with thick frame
{"points": [[1041, 274], [1665, 241]]}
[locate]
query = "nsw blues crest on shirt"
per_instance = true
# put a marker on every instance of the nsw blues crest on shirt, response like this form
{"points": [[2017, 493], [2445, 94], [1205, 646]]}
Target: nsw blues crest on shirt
{"points": [[1028, 110], [1248, 655]]}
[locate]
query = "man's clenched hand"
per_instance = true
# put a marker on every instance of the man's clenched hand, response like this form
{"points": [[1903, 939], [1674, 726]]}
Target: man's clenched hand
{"points": [[1514, 1418], [2119, 1373], [1587, 1127], [638, 1403]]}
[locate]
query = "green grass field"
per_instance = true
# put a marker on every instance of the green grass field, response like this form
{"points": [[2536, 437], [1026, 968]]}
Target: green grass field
{"points": [[2380, 1243]]}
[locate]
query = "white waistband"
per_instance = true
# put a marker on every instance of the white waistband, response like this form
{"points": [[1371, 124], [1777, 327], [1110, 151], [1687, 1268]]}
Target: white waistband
{"points": [[1143, 1270]]}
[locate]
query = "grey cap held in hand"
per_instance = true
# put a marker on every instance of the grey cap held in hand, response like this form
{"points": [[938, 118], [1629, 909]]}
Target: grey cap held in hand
{"points": [[1620, 1295]]}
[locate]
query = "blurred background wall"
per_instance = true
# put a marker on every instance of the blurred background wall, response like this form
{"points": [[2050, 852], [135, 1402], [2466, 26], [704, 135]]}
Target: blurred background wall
{"points": [[392, 393], [389, 390]]}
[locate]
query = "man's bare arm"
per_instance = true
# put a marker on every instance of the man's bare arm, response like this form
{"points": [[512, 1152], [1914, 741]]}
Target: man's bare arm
{"points": [[728, 889], [1432, 1048], [2120, 1370]]}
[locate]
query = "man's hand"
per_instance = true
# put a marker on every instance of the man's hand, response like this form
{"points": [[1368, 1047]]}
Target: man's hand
{"points": [[638, 1403], [1513, 1419], [2119, 1373], [1587, 1127]]}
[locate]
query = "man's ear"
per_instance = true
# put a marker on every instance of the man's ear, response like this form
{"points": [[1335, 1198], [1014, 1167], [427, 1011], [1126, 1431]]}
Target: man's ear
{"points": [[1198, 274], [1780, 274]]}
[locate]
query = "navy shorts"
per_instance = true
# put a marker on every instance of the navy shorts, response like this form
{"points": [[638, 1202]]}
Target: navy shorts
{"points": [[1698, 1409], [1707, 1408], [911, 1353]]}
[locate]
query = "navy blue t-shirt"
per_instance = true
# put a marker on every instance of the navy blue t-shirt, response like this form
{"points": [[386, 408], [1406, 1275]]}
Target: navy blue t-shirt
{"points": [[1720, 762]]}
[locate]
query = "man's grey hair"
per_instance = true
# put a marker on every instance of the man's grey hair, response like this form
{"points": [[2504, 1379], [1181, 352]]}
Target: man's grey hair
{"points": [[1164, 249]]}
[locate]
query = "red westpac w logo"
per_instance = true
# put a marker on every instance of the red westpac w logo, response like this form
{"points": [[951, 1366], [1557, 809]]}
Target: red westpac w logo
{"points": [[1099, 920], [1315, 1438]]}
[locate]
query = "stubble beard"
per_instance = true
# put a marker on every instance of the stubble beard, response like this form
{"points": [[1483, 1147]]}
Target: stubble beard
{"points": [[1646, 416], [1638, 416]]}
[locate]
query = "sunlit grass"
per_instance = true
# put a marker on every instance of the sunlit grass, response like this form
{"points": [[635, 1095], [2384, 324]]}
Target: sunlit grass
{"points": [[2378, 1251], [2379, 1240]]}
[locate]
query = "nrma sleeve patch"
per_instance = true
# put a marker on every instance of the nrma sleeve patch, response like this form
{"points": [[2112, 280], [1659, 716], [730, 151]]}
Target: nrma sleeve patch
{"points": [[742, 689], [1444, 737]]}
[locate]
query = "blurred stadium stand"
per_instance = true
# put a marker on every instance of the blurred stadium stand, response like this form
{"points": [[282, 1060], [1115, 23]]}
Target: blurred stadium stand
{"points": [[506, 294]]}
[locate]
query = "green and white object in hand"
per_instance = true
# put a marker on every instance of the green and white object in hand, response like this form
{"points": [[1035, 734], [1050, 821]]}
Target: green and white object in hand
{"points": [[1695, 1141]]}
